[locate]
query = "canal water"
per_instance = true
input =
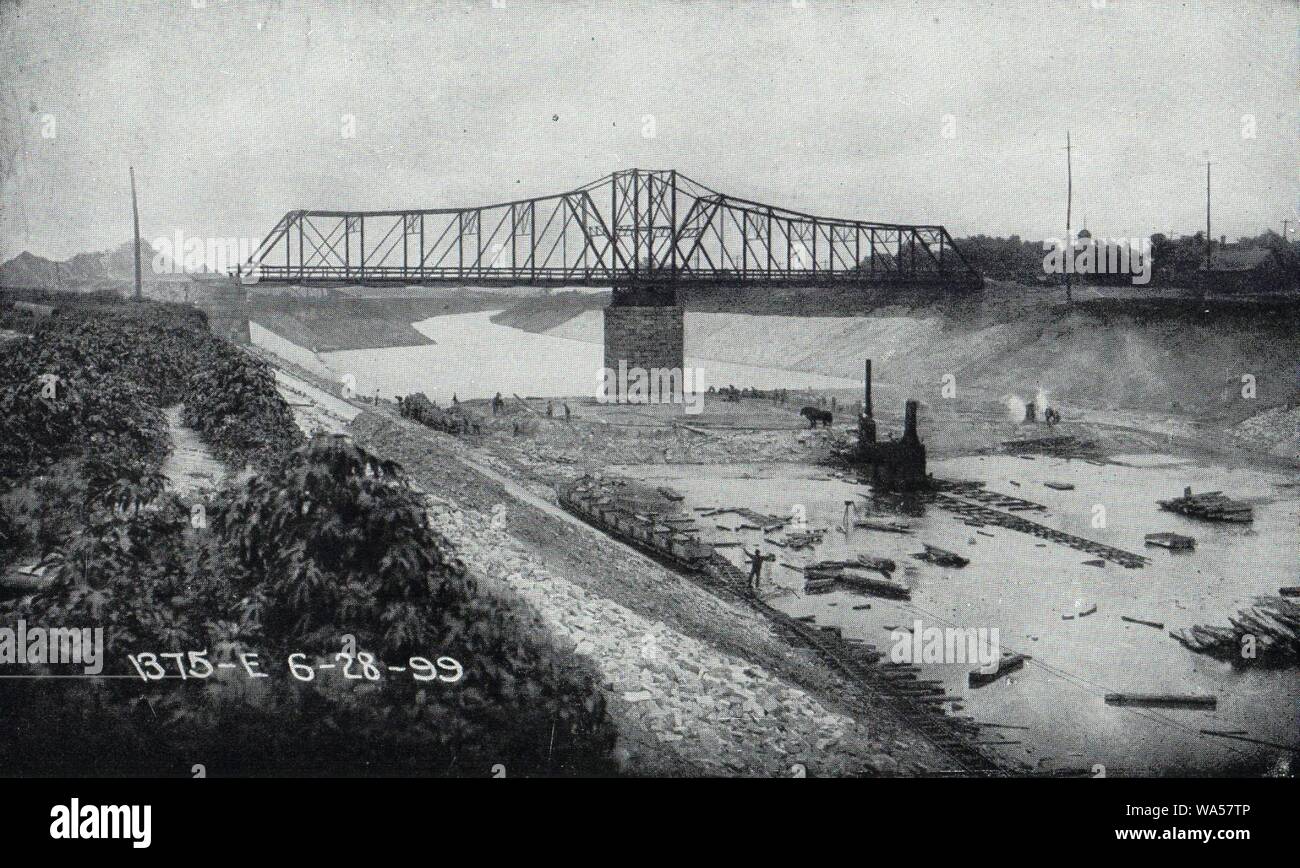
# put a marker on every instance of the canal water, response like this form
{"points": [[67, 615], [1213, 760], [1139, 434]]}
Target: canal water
{"points": [[1022, 586], [473, 357]]}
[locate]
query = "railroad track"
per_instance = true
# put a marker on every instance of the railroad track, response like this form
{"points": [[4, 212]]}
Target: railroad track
{"points": [[899, 688], [896, 686]]}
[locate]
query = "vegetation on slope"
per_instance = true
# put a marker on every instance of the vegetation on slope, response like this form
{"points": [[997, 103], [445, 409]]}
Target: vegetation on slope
{"points": [[325, 557]]}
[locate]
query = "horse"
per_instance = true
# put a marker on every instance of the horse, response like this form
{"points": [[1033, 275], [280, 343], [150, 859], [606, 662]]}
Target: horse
{"points": [[813, 415]]}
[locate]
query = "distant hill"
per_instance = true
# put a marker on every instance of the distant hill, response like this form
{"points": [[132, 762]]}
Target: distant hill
{"points": [[106, 270]]}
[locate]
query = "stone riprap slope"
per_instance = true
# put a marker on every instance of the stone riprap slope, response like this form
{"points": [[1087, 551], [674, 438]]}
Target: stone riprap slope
{"points": [[681, 705]]}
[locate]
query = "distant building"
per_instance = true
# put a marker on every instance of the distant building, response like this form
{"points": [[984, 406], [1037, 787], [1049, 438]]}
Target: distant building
{"points": [[1244, 269]]}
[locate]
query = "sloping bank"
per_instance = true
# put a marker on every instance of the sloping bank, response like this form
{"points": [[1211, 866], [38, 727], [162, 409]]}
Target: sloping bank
{"points": [[1150, 354], [695, 685]]}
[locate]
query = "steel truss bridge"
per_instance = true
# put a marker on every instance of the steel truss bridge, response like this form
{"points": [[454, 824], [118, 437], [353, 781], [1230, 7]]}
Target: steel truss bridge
{"points": [[632, 227]]}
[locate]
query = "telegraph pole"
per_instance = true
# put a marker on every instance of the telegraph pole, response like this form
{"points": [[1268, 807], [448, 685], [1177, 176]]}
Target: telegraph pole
{"points": [[1069, 199], [135, 219], [1209, 239]]}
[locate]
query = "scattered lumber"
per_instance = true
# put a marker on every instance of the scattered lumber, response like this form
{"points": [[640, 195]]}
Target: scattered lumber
{"points": [[1291, 591], [1060, 486], [883, 525], [803, 539], [1271, 623], [671, 494], [826, 576], [940, 557], [1009, 662], [1163, 700], [1210, 506], [1157, 624], [1174, 541]]}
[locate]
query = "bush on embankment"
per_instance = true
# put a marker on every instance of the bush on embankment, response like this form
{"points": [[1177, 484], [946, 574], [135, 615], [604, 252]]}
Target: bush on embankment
{"points": [[97, 375], [332, 545]]}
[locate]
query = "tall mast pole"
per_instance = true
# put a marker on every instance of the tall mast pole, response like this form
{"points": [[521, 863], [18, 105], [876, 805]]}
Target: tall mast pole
{"points": [[1069, 200], [1209, 243], [135, 219]]}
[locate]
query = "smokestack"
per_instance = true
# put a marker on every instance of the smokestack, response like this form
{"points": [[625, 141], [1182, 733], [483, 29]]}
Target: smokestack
{"points": [[866, 402], [909, 422]]}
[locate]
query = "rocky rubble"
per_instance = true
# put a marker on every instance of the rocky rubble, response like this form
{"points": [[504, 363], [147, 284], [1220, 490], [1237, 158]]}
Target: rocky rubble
{"points": [[1276, 431], [667, 691]]}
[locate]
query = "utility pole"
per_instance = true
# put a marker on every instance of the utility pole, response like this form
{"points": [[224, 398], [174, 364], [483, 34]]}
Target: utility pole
{"points": [[135, 219], [1069, 199], [1209, 239]]}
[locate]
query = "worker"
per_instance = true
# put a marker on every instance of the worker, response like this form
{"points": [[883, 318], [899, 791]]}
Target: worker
{"points": [[550, 410], [756, 559], [454, 399], [497, 403], [566, 411]]}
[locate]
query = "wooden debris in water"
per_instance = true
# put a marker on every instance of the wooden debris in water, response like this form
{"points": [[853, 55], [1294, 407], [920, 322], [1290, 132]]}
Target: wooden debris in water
{"points": [[1210, 506], [803, 539], [1157, 624], [1291, 591], [826, 576], [1060, 486], [940, 557], [1271, 623], [883, 525], [1163, 700], [1175, 541], [1009, 662], [1083, 611]]}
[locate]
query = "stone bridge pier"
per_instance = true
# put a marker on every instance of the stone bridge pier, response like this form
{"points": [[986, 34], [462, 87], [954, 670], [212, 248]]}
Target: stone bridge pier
{"points": [[644, 329]]}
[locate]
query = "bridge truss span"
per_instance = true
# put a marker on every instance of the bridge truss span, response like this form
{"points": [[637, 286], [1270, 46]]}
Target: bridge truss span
{"points": [[631, 227]]}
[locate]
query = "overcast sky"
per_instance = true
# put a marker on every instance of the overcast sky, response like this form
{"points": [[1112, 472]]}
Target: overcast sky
{"points": [[942, 112]]}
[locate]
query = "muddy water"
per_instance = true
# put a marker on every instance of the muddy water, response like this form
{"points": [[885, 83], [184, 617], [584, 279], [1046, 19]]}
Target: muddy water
{"points": [[474, 357], [1022, 587]]}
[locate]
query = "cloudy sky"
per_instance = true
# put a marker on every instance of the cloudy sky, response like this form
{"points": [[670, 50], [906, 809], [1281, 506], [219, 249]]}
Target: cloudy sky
{"points": [[235, 111]]}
